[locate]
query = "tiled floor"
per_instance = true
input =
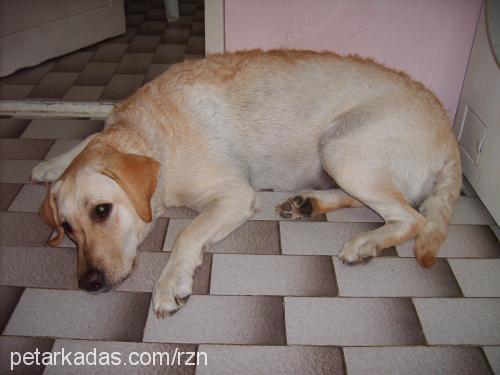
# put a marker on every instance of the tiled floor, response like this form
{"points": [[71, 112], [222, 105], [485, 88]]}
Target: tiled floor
{"points": [[113, 69], [272, 298]]}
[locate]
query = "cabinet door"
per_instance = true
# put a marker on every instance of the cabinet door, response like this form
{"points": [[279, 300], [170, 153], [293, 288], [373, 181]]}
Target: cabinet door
{"points": [[477, 124], [32, 31]]}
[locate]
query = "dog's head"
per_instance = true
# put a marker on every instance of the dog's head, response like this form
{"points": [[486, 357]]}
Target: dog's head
{"points": [[103, 203]]}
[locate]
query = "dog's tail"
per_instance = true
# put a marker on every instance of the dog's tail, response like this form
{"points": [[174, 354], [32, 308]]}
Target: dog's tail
{"points": [[437, 209]]}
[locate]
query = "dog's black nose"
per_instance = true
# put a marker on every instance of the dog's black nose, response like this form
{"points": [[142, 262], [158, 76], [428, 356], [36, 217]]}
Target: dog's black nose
{"points": [[92, 281]]}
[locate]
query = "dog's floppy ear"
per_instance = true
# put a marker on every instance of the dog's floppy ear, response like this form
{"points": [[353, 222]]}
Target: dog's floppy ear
{"points": [[48, 213], [137, 175]]}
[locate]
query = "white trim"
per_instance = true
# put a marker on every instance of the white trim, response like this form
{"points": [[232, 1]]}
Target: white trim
{"points": [[55, 108], [214, 26]]}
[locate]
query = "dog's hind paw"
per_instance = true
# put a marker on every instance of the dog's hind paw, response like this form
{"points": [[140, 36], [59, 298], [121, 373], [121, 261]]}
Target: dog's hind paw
{"points": [[296, 207]]}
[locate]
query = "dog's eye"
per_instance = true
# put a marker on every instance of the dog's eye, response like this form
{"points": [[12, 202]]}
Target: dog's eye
{"points": [[67, 228], [101, 211]]}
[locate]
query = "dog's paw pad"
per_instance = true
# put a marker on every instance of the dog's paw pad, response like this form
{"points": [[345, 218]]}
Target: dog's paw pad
{"points": [[296, 207]]}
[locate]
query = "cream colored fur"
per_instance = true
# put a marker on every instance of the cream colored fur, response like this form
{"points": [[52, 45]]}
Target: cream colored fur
{"points": [[223, 127]]}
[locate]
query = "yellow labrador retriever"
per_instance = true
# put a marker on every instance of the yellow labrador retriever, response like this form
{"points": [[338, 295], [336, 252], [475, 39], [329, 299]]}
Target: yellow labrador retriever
{"points": [[207, 134]]}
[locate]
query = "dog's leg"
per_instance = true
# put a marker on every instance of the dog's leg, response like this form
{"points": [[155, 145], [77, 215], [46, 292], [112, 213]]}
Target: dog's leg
{"points": [[52, 169], [219, 218], [315, 202], [402, 222]]}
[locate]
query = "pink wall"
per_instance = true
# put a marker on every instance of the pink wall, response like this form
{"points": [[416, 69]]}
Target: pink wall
{"points": [[430, 39]]}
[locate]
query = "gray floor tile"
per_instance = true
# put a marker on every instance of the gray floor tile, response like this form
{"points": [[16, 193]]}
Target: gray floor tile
{"points": [[477, 277], [12, 128], [196, 45], [493, 355], [460, 321], [148, 268], [122, 86], [23, 229], [9, 295], [134, 20], [110, 52], [464, 241], [15, 92], [470, 210], [272, 275], [62, 129], [77, 314], [96, 74], [126, 37], [351, 321], [155, 70], [184, 22], [253, 237], [154, 241], [7, 194], [61, 146], [354, 215], [187, 9], [31, 76], [144, 43], [394, 277], [137, 7], [152, 27], [276, 360], [221, 320], [73, 62], [16, 171], [24, 149], [125, 349], [302, 238], [53, 86], [415, 360], [84, 93], [169, 54], [22, 345], [39, 267], [156, 14], [135, 63], [175, 36], [198, 29]]}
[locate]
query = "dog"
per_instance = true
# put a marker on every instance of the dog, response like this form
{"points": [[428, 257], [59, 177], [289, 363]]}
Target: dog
{"points": [[208, 134]]}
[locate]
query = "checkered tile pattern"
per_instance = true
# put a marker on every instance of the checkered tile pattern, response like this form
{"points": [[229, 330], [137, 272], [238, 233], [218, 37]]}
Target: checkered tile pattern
{"points": [[113, 69], [271, 298]]}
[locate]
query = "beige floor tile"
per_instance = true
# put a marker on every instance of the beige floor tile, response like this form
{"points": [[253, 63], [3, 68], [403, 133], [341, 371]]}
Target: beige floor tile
{"points": [[77, 314], [8, 192], [31, 76], [135, 63], [96, 74], [12, 128], [110, 52], [38, 267], [15, 92], [351, 321], [477, 277], [221, 320], [61, 146], [9, 295], [460, 321], [276, 360], [415, 360], [394, 277], [24, 149], [73, 62]]}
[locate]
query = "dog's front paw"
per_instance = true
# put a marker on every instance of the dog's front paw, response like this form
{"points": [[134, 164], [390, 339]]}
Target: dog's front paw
{"points": [[357, 250], [170, 294], [46, 171], [296, 207]]}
